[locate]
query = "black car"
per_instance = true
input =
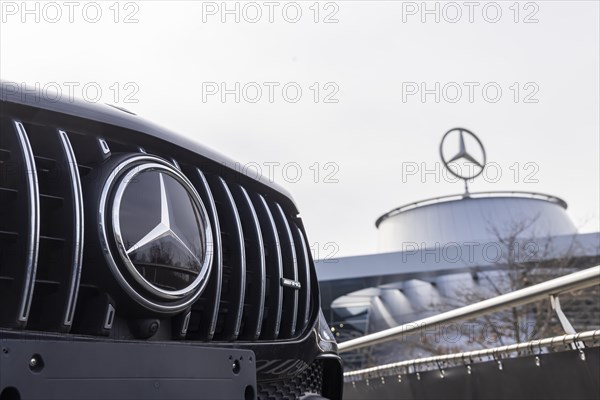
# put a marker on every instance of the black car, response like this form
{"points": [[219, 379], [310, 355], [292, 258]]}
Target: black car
{"points": [[137, 264]]}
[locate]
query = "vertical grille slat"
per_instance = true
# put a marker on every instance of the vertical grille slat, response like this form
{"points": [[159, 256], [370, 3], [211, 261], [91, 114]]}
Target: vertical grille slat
{"points": [[290, 270], [304, 278], [33, 237], [20, 270], [255, 266], [78, 227], [274, 301], [234, 261], [61, 228], [209, 302]]}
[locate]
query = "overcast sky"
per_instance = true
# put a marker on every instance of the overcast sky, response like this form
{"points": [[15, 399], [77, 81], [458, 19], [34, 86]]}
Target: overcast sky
{"points": [[336, 92]]}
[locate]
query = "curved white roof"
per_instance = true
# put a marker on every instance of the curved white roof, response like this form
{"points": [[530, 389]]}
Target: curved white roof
{"points": [[480, 217]]}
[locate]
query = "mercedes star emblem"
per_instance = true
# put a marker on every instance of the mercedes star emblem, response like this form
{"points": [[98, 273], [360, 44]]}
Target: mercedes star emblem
{"points": [[157, 232], [163, 229]]}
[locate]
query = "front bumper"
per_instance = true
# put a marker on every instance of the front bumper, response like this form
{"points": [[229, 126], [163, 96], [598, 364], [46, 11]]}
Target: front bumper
{"points": [[59, 369], [53, 366]]}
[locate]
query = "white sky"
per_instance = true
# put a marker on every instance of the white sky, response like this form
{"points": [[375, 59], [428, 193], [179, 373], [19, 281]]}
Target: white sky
{"points": [[374, 54]]}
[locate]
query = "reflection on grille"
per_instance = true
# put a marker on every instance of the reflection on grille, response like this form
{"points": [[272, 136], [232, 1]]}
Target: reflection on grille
{"points": [[257, 243]]}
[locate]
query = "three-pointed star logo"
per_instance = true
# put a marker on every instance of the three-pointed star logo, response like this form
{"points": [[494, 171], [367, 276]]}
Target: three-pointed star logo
{"points": [[462, 152], [163, 229]]}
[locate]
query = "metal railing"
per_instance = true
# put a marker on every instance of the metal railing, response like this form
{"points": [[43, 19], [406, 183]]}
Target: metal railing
{"points": [[467, 356], [575, 281]]}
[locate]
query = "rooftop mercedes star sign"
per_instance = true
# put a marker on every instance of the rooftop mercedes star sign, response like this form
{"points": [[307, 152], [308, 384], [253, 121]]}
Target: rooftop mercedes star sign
{"points": [[161, 231], [472, 163]]}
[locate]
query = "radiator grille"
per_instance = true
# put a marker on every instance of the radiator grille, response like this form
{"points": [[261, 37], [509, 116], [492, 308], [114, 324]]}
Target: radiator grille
{"points": [[309, 381], [256, 242]]}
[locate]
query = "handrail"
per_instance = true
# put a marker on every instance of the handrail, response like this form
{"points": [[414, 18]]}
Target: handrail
{"points": [[575, 281], [472, 195], [469, 355]]}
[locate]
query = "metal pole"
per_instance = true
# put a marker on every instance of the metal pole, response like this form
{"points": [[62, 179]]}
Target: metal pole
{"points": [[578, 280]]}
